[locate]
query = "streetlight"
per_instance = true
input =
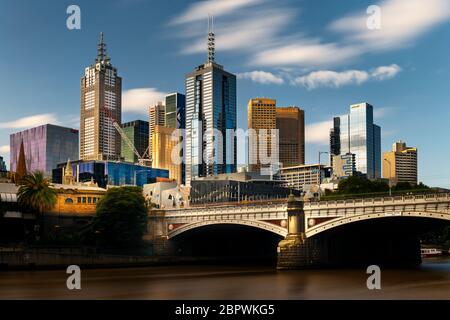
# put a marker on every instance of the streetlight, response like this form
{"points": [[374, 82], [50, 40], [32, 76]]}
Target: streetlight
{"points": [[390, 186]]}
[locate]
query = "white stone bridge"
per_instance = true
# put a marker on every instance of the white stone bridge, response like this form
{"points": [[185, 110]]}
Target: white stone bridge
{"points": [[319, 216]]}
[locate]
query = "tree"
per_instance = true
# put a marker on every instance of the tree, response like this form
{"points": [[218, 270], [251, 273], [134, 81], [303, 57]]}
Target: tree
{"points": [[356, 184], [36, 194], [121, 217]]}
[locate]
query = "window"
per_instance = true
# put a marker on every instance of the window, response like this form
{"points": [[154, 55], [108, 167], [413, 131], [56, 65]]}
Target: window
{"points": [[94, 200], [84, 199], [69, 200], [89, 200], [79, 199]]}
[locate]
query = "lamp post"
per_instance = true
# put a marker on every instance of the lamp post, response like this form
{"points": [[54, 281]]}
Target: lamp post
{"points": [[390, 176]]}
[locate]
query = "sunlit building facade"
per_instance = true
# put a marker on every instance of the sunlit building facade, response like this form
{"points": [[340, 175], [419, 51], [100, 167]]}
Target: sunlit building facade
{"points": [[400, 164], [167, 152], [290, 122]]}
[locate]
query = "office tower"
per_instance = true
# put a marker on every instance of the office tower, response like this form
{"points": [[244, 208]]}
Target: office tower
{"points": [[2, 164], [175, 112], [344, 165], [101, 90], [137, 133], [290, 122], [156, 117], [210, 119], [335, 142], [164, 145], [44, 147], [400, 164], [261, 114], [360, 136]]}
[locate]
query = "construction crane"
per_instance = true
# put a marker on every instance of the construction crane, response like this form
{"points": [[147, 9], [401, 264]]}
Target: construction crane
{"points": [[141, 159]]}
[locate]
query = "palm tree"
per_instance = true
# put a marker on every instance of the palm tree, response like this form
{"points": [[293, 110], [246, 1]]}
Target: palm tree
{"points": [[35, 193]]}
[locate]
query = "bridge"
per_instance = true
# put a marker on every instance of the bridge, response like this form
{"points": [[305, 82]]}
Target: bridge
{"points": [[302, 219]]}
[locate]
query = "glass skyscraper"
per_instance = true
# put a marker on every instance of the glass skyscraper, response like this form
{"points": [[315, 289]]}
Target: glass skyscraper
{"points": [[175, 112], [45, 146], [359, 135], [210, 109], [137, 133]]}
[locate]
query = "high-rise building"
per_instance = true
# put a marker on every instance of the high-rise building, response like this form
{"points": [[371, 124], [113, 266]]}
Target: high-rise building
{"points": [[164, 145], [101, 90], [44, 147], [335, 142], [400, 164], [137, 133], [262, 118], [156, 117], [175, 112], [2, 164], [290, 121], [360, 136], [210, 119]]}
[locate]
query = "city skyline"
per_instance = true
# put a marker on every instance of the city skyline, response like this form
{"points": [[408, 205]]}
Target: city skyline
{"points": [[396, 81]]}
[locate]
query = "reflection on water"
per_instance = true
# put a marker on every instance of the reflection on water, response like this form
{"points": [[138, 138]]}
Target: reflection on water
{"points": [[429, 281]]}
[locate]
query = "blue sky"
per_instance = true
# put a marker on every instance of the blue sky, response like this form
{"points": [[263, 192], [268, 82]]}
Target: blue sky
{"points": [[318, 55]]}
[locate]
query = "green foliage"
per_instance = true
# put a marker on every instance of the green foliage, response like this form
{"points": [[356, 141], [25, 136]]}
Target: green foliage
{"points": [[405, 186], [355, 185], [121, 217], [35, 193]]}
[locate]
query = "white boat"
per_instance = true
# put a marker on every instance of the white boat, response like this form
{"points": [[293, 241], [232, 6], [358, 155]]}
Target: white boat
{"points": [[430, 252]]}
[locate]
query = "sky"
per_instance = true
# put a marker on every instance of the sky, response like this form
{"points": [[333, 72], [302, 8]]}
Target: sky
{"points": [[319, 55]]}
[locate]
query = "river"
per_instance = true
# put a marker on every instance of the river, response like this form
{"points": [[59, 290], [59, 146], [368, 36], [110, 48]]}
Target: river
{"points": [[431, 280]]}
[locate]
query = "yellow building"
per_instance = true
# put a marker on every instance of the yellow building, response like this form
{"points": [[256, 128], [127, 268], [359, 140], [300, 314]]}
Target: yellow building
{"points": [[163, 145], [290, 121], [76, 200], [261, 115], [400, 164]]}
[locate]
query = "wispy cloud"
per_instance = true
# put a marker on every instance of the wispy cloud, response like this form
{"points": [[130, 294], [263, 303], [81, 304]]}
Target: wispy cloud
{"points": [[138, 100], [318, 132], [262, 77], [328, 78], [217, 8], [402, 21], [4, 149], [31, 121]]}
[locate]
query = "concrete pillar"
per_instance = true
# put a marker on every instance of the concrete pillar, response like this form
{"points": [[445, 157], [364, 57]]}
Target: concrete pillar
{"points": [[296, 251]]}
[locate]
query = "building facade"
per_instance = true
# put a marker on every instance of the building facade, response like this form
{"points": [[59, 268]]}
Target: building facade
{"points": [[101, 96], [137, 133], [156, 117], [175, 111], [210, 119], [44, 147], [262, 119], [400, 164], [360, 136], [167, 152], [290, 122], [335, 141], [2, 165], [109, 173], [303, 176], [343, 165]]}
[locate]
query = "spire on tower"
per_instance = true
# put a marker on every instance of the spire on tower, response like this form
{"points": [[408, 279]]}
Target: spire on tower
{"points": [[101, 50], [211, 40]]}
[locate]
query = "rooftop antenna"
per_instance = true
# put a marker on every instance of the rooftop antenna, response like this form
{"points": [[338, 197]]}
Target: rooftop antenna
{"points": [[211, 39], [101, 50]]}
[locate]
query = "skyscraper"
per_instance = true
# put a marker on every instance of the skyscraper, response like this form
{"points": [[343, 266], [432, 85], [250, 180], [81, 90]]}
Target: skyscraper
{"points": [[360, 136], [291, 125], [137, 133], [335, 142], [44, 148], [261, 114], [163, 146], [210, 118], [175, 112], [400, 164], [156, 117], [101, 90]]}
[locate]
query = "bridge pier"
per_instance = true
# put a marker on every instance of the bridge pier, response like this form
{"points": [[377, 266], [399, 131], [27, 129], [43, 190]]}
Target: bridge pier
{"points": [[296, 251]]}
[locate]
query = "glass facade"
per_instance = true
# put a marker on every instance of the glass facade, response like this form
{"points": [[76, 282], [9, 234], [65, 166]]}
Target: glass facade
{"points": [[111, 173], [210, 108], [175, 111], [138, 133], [45, 146], [2, 164], [358, 135]]}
